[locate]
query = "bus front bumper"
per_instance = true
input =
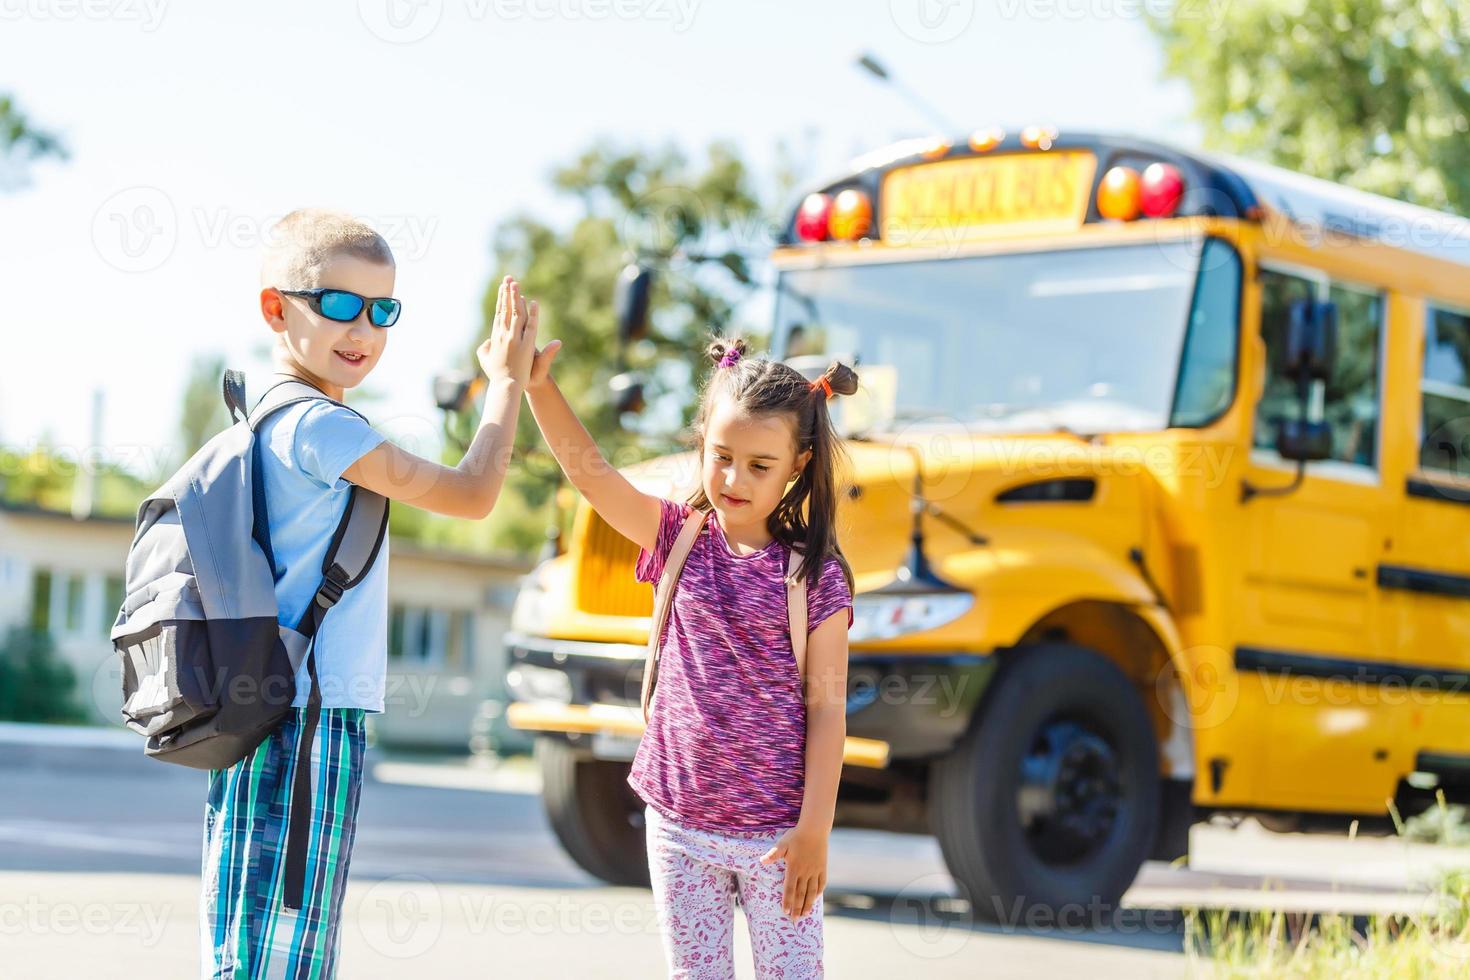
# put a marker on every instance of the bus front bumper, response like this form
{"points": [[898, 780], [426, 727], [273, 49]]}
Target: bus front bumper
{"points": [[899, 706]]}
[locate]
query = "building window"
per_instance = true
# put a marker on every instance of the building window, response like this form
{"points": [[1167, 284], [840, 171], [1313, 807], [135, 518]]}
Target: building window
{"points": [[41, 600], [65, 604], [1444, 434], [112, 600], [431, 637]]}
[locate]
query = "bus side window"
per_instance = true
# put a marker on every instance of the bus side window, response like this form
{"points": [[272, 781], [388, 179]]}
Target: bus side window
{"points": [[1445, 421], [1350, 403], [1207, 365]]}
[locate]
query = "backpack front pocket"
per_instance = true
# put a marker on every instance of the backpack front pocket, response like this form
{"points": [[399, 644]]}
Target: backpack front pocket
{"points": [[168, 676]]}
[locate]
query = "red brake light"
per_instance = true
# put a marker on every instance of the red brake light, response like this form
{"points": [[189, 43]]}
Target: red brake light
{"points": [[1160, 189], [812, 218]]}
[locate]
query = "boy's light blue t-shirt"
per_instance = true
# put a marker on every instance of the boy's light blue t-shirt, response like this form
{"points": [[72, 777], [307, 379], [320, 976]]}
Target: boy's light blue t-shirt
{"points": [[304, 449]]}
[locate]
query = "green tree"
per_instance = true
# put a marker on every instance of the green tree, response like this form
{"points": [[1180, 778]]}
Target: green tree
{"points": [[1370, 93], [35, 684], [21, 143], [203, 413], [695, 222]]}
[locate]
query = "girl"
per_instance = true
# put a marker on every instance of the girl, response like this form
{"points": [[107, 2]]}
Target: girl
{"points": [[740, 759]]}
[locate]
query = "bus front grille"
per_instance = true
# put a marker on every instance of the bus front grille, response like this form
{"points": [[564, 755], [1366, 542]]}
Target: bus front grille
{"points": [[605, 583]]}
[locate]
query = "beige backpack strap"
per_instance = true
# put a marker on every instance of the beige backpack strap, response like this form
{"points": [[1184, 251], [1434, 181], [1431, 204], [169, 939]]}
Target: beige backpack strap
{"points": [[663, 599], [796, 609]]}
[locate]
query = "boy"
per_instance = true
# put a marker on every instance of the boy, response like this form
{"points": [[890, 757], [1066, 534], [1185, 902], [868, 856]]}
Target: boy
{"points": [[326, 292]]}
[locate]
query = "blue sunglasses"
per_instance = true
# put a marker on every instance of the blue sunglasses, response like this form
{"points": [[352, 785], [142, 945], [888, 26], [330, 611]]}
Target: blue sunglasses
{"points": [[344, 306]]}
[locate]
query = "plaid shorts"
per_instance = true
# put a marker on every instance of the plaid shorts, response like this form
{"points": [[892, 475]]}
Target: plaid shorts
{"points": [[245, 933]]}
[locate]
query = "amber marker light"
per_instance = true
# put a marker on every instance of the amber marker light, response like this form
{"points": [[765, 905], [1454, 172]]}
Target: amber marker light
{"points": [[1118, 194], [852, 215]]}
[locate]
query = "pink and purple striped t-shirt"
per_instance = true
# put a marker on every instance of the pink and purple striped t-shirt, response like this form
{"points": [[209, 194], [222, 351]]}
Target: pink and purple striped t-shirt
{"points": [[725, 747]]}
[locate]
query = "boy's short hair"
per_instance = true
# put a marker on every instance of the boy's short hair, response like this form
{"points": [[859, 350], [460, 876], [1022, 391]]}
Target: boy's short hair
{"points": [[299, 247]]}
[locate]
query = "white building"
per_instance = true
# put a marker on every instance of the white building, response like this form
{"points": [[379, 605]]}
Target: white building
{"points": [[448, 612]]}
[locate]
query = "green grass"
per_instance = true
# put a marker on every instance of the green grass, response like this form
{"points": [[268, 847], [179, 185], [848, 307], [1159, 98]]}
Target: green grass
{"points": [[1433, 942]]}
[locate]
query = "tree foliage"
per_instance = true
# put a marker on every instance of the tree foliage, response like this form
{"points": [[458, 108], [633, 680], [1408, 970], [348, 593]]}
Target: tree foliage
{"points": [[1370, 93], [695, 222], [22, 143]]}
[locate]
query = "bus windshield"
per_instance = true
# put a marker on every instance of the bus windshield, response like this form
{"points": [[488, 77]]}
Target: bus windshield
{"points": [[1088, 339]]}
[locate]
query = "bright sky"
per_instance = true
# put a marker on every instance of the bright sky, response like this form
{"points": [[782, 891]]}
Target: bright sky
{"points": [[193, 125]]}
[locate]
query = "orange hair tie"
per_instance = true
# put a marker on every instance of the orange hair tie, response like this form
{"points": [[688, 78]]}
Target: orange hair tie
{"points": [[823, 384]]}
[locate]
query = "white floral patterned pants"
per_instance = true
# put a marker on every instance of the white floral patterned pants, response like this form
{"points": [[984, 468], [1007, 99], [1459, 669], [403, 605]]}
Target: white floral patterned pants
{"points": [[699, 876]]}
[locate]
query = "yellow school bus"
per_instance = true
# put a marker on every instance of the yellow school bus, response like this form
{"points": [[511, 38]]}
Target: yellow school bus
{"points": [[1157, 510]]}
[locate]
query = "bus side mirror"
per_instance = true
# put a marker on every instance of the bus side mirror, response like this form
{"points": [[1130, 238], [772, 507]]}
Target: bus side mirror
{"points": [[454, 391], [630, 302], [1298, 439], [627, 393], [1311, 350], [1311, 340]]}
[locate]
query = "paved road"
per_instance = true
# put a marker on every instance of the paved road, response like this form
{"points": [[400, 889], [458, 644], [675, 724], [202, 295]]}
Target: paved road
{"points": [[456, 873]]}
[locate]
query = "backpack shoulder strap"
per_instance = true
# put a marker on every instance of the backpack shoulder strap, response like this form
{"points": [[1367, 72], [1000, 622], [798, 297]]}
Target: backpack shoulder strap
{"points": [[288, 391], [234, 392], [663, 599], [796, 609], [353, 550]]}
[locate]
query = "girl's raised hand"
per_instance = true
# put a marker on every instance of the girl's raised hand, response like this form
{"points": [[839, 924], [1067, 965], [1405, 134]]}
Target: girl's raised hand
{"points": [[511, 347], [541, 365]]}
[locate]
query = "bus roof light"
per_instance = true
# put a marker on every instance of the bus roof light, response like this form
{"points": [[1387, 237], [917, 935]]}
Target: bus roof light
{"points": [[1117, 195], [852, 215], [984, 140], [812, 217], [1160, 189], [1038, 137], [935, 149]]}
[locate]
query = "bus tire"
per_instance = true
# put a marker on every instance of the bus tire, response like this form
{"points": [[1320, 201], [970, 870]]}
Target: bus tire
{"points": [[1051, 800], [594, 813]]}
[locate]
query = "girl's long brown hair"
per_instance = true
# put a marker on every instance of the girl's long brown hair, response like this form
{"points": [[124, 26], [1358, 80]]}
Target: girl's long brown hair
{"points": [[805, 519]]}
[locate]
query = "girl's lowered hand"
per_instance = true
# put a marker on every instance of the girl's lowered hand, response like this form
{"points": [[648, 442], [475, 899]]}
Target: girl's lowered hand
{"points": [[805, 850]]}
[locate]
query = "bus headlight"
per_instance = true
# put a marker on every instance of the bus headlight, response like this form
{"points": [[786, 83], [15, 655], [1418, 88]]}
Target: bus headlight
{"points": [[531, 612], [527, 682], [880, 617]]}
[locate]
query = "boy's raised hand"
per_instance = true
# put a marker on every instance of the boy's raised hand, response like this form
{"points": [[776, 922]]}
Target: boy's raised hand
{"points": [[511, 346]]}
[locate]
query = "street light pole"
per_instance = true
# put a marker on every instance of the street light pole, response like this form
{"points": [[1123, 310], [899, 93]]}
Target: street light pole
{"points": [[870, 64]]}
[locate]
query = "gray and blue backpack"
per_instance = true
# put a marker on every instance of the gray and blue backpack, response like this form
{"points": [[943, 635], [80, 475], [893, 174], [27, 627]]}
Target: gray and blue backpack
{"points": [[208, 671]]}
